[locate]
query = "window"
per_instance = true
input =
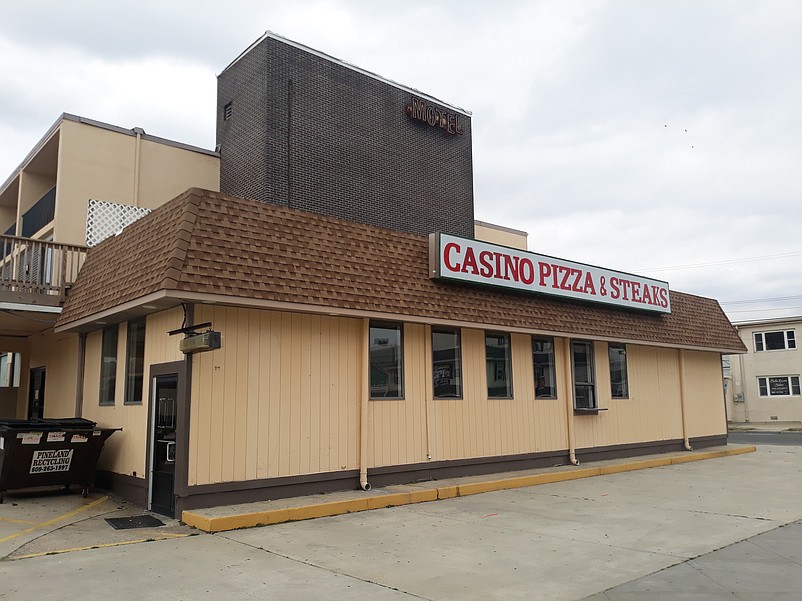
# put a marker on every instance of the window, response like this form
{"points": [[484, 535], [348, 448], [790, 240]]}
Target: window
{"points": [[386, 361], [543, 360], [447, 364], [619, 380], [778, 385], [498, 355], [108, 365], [584, 375], [135, 361], [9, 370], [775, 341]]}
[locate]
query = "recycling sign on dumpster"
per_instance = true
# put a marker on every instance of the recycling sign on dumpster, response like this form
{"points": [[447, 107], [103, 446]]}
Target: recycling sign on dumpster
{"points": [[51, 461]]}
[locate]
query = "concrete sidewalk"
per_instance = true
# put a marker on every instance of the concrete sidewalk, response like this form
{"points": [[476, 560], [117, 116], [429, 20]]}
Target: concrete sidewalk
{"points": [[766, 566], [765, 426], [562, 541], [247, 515]]}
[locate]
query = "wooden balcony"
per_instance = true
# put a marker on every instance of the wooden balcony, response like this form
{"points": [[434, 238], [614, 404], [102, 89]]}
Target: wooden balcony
{"points": [[36, 272]]}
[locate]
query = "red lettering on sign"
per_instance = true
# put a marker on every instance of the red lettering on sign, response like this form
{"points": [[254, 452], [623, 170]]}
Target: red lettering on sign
{"points": [[447, 252]]}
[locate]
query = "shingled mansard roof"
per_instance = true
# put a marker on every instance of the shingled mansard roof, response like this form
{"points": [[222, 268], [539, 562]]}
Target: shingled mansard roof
{"points": [[206, 246]]}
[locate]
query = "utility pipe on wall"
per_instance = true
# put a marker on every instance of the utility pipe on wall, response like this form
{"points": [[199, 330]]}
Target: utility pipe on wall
{"points": [[682, 395], [364, 399], [137, 162], [569, 401], [429, 392]]}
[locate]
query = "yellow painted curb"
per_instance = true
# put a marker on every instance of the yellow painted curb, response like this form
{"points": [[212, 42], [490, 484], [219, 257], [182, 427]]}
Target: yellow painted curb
{"points": [[308, 512], [635, 465]]}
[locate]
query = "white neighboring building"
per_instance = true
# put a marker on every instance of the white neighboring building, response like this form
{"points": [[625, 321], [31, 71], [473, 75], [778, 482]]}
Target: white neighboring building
{"points": [[764, 384]]}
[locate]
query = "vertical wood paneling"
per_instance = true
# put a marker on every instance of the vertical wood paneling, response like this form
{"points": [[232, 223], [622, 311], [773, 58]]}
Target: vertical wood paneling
{"points": [[279, 397], [705, 401]]}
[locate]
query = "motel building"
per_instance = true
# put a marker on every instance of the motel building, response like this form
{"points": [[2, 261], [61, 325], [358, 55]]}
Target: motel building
{"points": [[334, 317]]}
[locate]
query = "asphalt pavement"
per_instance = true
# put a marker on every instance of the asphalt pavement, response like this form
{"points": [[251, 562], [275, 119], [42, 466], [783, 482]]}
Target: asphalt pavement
{"points": [[719, 528]]}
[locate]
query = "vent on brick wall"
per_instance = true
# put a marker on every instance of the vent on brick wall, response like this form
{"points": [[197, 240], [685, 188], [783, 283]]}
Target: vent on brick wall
{"points": [[227, 112], [104, 219]]}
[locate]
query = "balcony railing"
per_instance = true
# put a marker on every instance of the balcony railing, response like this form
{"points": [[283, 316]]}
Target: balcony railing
{"points": [[36, 271]]}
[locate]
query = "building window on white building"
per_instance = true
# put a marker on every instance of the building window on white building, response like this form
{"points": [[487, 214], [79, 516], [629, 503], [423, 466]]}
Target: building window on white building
{"points": [[778, 386], [775, 341]]}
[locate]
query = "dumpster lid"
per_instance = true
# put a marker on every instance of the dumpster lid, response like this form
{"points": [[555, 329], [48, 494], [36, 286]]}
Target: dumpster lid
{"points": [[61, 423]]}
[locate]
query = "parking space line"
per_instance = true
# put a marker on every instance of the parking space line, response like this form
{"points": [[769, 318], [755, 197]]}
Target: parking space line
{"points": [[168, 536], [63, 516], [10, 521]]}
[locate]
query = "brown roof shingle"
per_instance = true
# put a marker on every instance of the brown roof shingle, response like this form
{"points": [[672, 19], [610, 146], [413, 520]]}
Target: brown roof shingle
{"points": [[207, 242]]}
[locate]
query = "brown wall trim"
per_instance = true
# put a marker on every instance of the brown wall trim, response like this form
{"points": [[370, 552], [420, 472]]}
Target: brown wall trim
{"points": [[134, 490], [249, 491]]}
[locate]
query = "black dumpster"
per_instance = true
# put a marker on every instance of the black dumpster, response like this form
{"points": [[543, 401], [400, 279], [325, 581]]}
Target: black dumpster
{"points": [[49, 452]]}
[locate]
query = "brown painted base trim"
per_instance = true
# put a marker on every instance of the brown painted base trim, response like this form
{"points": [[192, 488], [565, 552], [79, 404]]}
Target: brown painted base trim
{"points": [[134, 490], [251, 491], [227, 493]]}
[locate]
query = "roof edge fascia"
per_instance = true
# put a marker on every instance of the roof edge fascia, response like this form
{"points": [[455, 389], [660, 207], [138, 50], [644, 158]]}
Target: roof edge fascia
{"points": [[279, 38]]}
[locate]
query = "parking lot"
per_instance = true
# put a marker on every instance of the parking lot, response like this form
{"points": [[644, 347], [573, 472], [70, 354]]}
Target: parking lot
{"points": [[566, 540]]}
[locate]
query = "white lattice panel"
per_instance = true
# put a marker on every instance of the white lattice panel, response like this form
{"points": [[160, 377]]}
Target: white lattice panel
{"points": [[105, 219]]}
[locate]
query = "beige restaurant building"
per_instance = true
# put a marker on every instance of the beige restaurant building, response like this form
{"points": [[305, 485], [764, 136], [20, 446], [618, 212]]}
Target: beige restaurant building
{"points": [[343, 361], [333, 317]]}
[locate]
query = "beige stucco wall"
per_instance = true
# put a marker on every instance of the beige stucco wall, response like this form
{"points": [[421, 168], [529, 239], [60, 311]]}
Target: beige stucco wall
{"points": [[125, 452], [58, 354], [97, 163], [486, 232], [747, 368]]}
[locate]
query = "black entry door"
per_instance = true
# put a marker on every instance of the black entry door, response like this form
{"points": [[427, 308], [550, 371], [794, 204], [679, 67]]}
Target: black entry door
{"points": [[36, 394], [163, 417]]}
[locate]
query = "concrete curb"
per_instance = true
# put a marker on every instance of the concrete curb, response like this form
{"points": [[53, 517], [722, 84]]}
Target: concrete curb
{"points": [[332, 508]]}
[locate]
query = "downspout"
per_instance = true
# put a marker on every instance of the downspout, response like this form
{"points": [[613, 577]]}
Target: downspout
{"points": [[743, 387], [137, 161], [569, 402], [429, 392], [682, 401], [364, 398]]}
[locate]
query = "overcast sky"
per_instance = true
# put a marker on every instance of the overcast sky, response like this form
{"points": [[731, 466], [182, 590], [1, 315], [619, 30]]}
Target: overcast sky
{"points": [[662, 138]]}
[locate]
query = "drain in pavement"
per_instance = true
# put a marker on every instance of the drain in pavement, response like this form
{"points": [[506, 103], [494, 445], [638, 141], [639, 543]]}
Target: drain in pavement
{"points": [[134, 521]]}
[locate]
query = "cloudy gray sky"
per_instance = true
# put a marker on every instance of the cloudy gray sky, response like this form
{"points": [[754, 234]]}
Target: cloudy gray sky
{"points": [[657, 137]]}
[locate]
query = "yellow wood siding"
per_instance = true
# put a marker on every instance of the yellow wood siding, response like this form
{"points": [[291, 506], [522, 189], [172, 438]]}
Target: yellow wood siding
{"points": [[705, 394], [469, 427], [279, 399], [652, 411], [125, 452]]}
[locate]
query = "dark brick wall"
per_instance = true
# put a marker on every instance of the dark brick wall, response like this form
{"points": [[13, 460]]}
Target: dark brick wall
{"points": [[312, 134]]}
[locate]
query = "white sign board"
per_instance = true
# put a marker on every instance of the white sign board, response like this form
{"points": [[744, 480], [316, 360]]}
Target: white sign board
{"points": [[461, 259], [51, 461]]}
